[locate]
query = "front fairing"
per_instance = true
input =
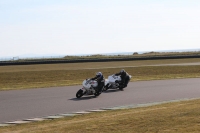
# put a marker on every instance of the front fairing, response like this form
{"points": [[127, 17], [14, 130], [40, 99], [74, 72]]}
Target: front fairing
{"points": [[106, 82]]}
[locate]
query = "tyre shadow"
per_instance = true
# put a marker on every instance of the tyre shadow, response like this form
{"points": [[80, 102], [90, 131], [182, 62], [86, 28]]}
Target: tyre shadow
{"points": [[111, 91], [89, 97], [83, 98]]}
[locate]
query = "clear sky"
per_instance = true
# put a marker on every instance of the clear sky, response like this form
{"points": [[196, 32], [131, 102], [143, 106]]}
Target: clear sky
{"points": [[69, 27]]}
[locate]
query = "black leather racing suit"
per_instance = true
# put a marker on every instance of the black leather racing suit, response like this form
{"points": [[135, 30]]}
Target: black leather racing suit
{"points": [[100, 80], [125, 78]]}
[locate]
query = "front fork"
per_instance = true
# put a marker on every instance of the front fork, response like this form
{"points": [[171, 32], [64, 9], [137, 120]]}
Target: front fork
{"points": [[84, 90]]}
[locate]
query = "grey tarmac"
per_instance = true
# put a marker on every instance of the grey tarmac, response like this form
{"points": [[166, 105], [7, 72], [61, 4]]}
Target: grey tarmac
{"points": [[19, 105]]}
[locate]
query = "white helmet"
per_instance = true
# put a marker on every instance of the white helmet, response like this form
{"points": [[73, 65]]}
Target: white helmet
{"points": [[122, 71], [98, 74]]}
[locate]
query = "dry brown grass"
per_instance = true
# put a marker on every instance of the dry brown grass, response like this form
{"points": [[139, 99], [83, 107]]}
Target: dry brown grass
{"points": [[74, 66], [36, 76], [35, 79], [180, 117]]}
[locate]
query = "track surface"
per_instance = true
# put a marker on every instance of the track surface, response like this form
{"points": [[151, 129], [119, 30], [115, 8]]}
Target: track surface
{"points": [[34, 103]]}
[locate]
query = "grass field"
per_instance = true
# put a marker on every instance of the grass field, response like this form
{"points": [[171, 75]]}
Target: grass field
{"points": [[179, 117], [37, 76]]}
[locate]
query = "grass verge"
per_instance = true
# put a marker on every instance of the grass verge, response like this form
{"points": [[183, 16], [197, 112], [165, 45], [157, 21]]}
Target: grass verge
{"points": [[181, 117], [38, 77]]}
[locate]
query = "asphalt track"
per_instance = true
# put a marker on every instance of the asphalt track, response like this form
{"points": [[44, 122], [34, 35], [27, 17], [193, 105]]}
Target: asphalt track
{"points": [[34, 103]]}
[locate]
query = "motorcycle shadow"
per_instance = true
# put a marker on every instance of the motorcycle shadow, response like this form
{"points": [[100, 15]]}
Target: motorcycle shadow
{"points": [[111, 90], [83, 98]]}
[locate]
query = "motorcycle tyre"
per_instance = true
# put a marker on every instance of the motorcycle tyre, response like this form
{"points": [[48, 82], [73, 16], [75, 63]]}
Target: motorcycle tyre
{"points": [[121, 89], [106, 88], [97, 94], [79, 94]]}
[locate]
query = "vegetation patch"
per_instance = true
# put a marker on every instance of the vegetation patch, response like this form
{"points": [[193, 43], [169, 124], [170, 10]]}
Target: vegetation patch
{"points": [[118, 56], [37, 76], [182, 117]]}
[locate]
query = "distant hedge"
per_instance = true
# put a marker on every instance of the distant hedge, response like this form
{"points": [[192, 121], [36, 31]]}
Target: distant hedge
{"points": [[45, 61]]}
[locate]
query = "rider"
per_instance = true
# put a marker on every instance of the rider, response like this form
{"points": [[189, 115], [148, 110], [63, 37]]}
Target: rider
{"points": [[100, 79], [124, 76]]}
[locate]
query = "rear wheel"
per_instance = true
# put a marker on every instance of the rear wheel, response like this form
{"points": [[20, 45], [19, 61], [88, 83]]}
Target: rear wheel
{"points": [[79, 94], [97, 94], [121, 88]]}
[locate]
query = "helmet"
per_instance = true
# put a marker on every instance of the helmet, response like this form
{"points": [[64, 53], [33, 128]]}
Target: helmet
{"points": [[122, 71], [98, 74]]}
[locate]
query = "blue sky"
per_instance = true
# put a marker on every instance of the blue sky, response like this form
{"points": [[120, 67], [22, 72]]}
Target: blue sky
{"points": [[70, 27]]}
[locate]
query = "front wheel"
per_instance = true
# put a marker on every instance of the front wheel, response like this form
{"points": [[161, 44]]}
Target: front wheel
{"points": [[106, 87], [79, 94]]}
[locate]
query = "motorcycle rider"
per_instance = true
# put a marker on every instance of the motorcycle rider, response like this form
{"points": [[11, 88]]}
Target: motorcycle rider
{"points": [[100, 80], [124, 76]]}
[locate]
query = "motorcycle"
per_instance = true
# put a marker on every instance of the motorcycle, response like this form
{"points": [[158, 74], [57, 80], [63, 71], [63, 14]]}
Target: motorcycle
{"points": [[89, 88], [114, 82]]}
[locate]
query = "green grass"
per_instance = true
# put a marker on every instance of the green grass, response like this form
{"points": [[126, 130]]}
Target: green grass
{"points": [[37, 76], [178, 117]]}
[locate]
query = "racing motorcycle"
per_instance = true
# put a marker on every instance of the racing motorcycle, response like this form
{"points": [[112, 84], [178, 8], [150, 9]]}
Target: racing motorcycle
{"points": [[89, 88], [114, 82]]}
